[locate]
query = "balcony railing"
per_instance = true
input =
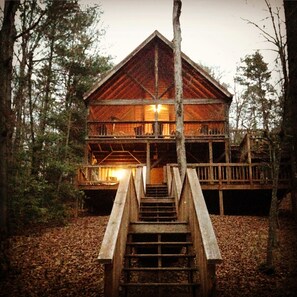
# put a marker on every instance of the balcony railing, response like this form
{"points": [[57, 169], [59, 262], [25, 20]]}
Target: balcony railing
{"points": [[240, 173], [101, 175], [148, 129], [208, 174]]}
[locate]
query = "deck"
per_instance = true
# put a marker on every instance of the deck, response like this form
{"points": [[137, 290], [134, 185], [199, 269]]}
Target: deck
{"points": [[212, 176], [152, 129]]}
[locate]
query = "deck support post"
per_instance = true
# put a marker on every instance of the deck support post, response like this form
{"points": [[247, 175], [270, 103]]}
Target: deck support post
{"points": [[109, 286], [148, 163], [210, 153], [249, 154], [227, 152], [221, 202]]}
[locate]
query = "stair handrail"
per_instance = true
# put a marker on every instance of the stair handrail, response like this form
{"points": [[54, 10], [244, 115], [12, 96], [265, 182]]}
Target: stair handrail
{"points": [[139, 183], [192, 209], [125, 209], [176, 185]]}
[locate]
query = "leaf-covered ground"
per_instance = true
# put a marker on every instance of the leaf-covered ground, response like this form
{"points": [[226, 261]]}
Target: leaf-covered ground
{"points": [[243, 241], [62, 261]]}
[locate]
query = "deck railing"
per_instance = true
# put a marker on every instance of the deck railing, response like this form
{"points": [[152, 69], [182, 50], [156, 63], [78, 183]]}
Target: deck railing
{"points": [[208, 173], [102, 175], [240, 173], [151, 129]]}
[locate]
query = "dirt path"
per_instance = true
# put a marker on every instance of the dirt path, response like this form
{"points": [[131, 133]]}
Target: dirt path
{"points": [[62, 261]]}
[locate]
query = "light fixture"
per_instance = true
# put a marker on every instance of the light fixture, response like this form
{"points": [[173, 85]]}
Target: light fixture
{"points": [[119, 173], [157, 108]]}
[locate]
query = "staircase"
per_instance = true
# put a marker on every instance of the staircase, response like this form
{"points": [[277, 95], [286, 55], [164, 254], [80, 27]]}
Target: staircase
{"points": [[156, 206], [159, 257]]}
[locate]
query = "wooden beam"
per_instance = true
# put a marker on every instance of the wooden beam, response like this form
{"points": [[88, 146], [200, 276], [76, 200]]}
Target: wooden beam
{"points": [[210, 161], [148, 163], [140, 84], [170, 87], [221, 202], [156, 70], [140, 101]]}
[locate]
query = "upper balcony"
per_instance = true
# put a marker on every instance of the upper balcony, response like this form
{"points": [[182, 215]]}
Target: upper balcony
{"points": [[155, 129]]}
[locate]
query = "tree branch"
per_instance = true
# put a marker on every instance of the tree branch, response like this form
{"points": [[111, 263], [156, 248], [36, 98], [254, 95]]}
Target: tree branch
{"points": [[33, 26]]}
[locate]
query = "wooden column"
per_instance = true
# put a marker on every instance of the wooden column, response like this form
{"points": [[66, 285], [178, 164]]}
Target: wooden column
{"points": [[156, 71], [210, 154], [249, 155], [110, 290], [148, 163], [221, 202], [227, 152]]}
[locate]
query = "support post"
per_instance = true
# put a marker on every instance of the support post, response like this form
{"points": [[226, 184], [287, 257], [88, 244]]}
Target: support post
{"points": [[210, 153], [148, 163], [221, 202], [109, 290], [249, 155]]}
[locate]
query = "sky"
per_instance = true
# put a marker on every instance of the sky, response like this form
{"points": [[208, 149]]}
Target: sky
{"points": [[214, 32]]}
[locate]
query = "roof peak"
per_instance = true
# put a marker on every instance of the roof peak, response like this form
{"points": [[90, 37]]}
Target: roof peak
{"points": [[149, 39]]}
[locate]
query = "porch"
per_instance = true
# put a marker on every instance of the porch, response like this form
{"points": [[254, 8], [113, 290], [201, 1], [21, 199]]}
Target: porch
{"points": [[154, 129], [212, 176]]}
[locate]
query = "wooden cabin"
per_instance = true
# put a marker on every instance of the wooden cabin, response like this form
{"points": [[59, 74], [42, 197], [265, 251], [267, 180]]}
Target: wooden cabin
{"points": [[131, 123]]}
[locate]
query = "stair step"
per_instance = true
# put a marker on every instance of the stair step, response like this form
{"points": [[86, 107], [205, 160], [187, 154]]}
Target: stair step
{"points": [[152, 207], [158, 228], [157, 211], [160, 284], [157, 200], [159, 255], [163, 269], [167, 243], [153, 218]]}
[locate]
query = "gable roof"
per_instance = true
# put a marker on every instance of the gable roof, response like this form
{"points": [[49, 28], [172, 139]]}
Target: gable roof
{"points": [[197, 82]]}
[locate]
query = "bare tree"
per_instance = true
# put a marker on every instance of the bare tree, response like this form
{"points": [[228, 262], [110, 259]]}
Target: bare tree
{"points": [[290, 110], [179, 109], [277, 141]]}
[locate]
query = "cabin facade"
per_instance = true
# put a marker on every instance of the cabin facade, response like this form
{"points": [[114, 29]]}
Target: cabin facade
{"points": [[131, 123]]}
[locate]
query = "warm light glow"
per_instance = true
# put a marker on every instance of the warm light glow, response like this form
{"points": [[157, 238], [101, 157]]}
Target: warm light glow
{"points": [[157, 108], [119, 173]]}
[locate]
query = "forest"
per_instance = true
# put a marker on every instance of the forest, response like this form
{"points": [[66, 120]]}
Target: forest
{"points": [[56, 59], [49, 57]]}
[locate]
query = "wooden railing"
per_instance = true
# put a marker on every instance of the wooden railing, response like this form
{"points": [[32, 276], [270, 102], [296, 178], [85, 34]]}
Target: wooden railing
{"points": [[208, 173], [100, 174], [192, 209], [239, 173], [140, 177], [238, 136], [151, 129], [125, 209]]}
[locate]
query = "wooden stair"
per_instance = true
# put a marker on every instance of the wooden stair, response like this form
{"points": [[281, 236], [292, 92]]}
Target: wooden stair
{"points": [[159, 257]]}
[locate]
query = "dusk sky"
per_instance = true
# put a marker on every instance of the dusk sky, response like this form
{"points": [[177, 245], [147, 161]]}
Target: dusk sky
{"points": [[213, 31]]}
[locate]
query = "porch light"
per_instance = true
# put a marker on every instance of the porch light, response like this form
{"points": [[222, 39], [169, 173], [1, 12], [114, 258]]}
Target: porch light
{"points": [[157, 108], [119, 173]]}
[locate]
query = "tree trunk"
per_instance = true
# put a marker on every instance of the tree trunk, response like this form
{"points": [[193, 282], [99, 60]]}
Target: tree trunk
{"points": [[179, 109], [45, 108], [7, 39], [272, 231], [290, 108]]}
